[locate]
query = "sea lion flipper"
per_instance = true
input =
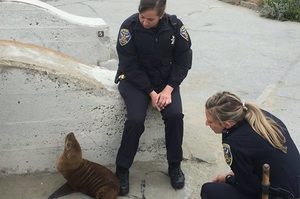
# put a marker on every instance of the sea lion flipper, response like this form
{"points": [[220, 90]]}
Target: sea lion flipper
{"points": [[62, 191]]}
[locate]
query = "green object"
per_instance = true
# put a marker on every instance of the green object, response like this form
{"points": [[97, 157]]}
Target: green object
{"points": [[281, 9]]}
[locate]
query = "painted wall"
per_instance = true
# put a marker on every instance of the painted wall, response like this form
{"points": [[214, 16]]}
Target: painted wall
{"points": [[45, 94]]}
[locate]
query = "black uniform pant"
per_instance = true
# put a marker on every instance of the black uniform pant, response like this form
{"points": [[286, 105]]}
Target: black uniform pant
{"points": [[213, 190], [137, 103]]}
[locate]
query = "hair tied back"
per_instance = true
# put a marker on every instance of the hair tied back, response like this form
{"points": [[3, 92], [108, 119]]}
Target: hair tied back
{"points": [[244, 107]]}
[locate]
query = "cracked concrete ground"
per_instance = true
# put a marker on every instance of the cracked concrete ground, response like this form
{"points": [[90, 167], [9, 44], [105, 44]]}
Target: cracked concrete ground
{"points": [[147, 180], [235, 50]]}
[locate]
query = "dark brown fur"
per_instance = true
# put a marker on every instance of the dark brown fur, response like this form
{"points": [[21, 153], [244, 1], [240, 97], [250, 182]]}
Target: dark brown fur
{"points": [[85, 176]]}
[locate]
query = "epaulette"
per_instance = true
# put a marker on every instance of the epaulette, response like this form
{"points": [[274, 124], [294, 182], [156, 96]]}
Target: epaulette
{"points": [[173, 20]]}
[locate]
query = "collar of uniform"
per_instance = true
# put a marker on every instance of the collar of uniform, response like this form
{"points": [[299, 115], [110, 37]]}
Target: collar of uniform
{"points": [[163, 25], [234, 127]]}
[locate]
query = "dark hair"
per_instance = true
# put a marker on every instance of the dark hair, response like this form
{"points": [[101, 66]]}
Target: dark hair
{"points": [[158, 5]]}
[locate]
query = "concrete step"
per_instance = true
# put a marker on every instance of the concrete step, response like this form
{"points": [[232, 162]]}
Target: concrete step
{"points": [[84, 38]]}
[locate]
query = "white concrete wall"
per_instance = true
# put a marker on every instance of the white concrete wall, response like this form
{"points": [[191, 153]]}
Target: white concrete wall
{"points": [[44, 95], [35, 22]]}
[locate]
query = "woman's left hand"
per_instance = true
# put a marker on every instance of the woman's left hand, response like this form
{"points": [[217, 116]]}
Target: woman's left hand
{"points": [[165, 97]]}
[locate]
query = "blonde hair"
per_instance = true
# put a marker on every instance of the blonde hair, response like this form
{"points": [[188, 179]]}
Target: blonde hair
{"points": [[226, 106]]}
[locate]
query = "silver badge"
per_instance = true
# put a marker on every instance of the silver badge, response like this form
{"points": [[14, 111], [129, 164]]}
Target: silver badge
{"points": [[173, 40]]}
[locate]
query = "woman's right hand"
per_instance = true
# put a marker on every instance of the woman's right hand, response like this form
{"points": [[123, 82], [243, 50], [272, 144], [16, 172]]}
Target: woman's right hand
{"points": [[154, 98]]}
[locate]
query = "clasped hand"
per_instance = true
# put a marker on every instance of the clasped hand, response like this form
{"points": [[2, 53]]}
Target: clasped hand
{"points": [[162, 99]]}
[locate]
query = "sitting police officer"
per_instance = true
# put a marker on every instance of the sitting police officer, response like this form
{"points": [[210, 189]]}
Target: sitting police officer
{"points": [[251, 137], [154, 58]]}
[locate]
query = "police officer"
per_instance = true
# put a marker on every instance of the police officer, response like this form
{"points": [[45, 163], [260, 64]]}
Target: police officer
{"points": [[154, 58], [251, 137]]}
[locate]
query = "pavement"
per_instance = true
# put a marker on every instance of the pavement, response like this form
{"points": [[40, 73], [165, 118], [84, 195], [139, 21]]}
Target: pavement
{"points": [[235, 50]]}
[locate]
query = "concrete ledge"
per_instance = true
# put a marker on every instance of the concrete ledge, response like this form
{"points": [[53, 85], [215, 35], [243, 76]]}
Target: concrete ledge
{"points": [[32, 21], [45, 95]]}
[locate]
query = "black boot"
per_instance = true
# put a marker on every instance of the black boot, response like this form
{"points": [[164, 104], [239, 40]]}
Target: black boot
{"points": [[176, 177], [123, 176]]}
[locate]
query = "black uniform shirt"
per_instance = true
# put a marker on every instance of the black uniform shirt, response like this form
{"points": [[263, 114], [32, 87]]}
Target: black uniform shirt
{"points": [[245, 152], [152, 58]]}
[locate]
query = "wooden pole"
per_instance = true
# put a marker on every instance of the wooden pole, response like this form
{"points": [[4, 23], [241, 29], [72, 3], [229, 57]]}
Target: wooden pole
{"points": [[265, 184]]}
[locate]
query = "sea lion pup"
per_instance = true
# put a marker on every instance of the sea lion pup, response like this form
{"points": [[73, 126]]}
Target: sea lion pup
{"points": [[84, 176]]}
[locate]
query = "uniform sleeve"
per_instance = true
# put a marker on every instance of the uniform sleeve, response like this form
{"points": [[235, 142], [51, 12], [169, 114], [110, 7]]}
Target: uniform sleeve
{"points": [[128, 62], [182, 56], [247, 181]]}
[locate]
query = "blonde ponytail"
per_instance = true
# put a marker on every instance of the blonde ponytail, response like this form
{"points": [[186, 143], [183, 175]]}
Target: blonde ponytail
{"points": [[266, 127], [226, 106]]}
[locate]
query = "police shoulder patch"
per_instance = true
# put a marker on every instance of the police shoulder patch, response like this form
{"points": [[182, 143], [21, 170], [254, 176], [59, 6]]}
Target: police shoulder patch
{"points": [[124, 36], [184, 33], [227, 154]]}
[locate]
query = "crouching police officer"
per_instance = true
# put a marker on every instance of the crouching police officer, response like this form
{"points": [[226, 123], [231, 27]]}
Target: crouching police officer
{"points": [[251, 137], [154, 58]]}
